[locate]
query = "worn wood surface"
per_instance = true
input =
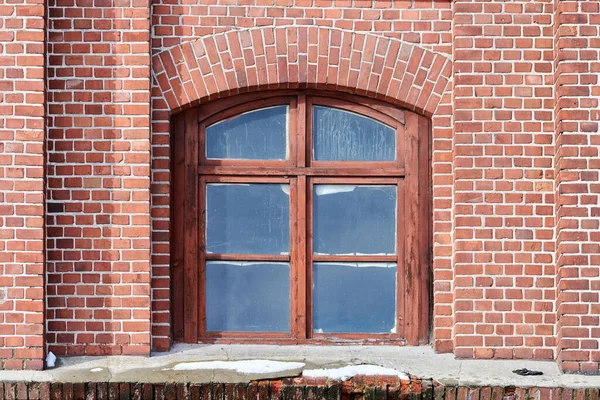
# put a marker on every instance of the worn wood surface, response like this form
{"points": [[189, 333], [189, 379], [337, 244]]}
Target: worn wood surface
{"points": [[177, 225], [190, 292]]}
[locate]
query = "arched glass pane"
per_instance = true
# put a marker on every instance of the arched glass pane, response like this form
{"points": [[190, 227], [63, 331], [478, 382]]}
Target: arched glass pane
{"points": [[255, 135], [340, 135]]}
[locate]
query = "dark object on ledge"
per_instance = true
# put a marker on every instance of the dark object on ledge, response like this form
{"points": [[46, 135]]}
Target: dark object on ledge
{"points": [[527, 372]]}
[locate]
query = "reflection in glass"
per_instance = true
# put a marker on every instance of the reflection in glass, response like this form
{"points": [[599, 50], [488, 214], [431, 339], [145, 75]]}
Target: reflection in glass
{"points": [[354, 219], [354, 297], [247, 218], [340, 135], [247, 296], [255, 135]]}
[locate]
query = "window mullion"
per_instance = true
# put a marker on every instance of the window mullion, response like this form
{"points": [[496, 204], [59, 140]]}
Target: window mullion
{"points": [[299, 259], [301, 134]]}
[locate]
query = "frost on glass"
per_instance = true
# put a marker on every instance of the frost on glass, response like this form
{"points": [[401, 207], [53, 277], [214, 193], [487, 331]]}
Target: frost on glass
{"points": [[248, 218], [255, 135], [354, 219], [371, 307], [247, 296], [340, 135]]}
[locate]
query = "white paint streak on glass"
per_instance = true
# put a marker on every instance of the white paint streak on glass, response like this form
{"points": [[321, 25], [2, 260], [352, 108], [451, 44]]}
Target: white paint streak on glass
{"points": [[366, 265], [323, 190]]}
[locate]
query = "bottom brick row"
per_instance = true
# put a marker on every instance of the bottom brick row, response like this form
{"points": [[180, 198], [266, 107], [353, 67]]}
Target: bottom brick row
{"points": [[357, 388]]}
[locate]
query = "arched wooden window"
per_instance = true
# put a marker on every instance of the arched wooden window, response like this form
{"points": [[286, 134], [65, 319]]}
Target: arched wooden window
{"points": [[300, 217]]}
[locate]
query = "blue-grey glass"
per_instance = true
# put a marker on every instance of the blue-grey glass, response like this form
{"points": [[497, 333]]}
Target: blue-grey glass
{"points": [[247, 296], [354, 297], [248, 218], [255, 135], [354, 219], [340, 135]]}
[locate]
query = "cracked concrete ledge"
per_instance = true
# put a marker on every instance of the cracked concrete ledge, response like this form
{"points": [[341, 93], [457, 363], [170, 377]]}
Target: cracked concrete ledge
{"points": [[419, 362]]}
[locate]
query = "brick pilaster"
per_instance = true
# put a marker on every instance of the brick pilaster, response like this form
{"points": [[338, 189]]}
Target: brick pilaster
{"points": [[577, 69], [503, 179], [98, 221], [22, 184]]}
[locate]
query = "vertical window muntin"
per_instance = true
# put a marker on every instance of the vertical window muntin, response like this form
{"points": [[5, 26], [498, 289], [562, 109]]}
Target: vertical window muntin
{"points": [[360, 172]]}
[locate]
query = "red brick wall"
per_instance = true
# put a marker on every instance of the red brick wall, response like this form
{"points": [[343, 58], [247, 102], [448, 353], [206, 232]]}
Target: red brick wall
{"points": [[503, 180], [511, 87], [21, 184], [98, 225], [427, 23], [577, 164]]}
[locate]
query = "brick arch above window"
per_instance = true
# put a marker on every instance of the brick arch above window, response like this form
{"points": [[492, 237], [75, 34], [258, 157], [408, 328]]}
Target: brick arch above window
{"points": [[266, 58], [324, 58]]}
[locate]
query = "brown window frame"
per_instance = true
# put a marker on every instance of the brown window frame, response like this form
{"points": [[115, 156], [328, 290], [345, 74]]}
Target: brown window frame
{"points": [[191, 171]]}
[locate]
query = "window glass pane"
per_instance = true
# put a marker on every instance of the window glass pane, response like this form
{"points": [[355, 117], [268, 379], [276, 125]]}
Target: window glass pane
{"points": [[353, 219], [255, 135], [345, 136], [248, 218], [371, 307], [247, 296]]}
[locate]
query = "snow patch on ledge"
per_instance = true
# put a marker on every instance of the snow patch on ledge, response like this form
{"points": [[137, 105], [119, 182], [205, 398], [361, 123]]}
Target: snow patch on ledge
{"points": [[349, 371], [241, 367]]}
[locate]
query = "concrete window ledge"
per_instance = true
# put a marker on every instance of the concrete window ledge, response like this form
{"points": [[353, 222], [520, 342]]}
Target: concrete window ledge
{"points": [[420, 363]]}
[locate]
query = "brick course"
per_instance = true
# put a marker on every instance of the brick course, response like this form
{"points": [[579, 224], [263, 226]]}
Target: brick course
{"points": [[511, 88], [296, 388]]}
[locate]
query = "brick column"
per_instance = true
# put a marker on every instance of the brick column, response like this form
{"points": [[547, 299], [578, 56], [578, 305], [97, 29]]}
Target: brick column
{"points": [[21, 184], [98, 266], [503, 179], [577, 188]]}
